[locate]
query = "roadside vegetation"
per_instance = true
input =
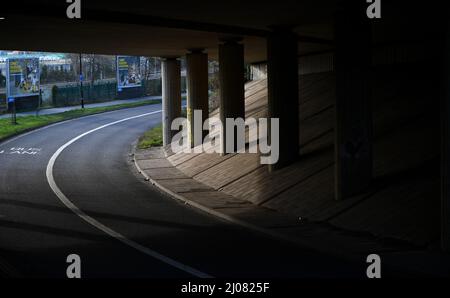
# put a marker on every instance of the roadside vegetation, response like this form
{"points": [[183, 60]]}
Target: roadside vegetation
{"points": [[27, 123], [152, 138]]}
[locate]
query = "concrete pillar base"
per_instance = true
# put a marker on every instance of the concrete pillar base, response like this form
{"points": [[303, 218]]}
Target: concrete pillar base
{"points": [[171, 96], [353, 136], [197, 92], [232, 89], [282, 80]]}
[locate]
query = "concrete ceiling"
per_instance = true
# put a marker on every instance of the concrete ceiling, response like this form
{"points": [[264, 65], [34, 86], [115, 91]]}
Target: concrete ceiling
{"points": [[254, 14], [171, 27], [154, 28], [59, 35]]}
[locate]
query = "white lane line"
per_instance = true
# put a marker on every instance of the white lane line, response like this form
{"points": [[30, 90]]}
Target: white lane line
{"points": [[100, 226], [60, 123]]}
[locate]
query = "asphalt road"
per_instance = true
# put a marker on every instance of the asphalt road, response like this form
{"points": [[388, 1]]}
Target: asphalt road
{"points": [[38, 232]]}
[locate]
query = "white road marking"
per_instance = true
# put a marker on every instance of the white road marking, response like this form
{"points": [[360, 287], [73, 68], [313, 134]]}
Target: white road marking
{"points": [[97, 224], [60, 123], [22, 151]]}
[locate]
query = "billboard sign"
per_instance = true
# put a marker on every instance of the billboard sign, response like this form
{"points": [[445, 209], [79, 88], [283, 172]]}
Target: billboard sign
{"points": [[22, 77], [128, 72]]}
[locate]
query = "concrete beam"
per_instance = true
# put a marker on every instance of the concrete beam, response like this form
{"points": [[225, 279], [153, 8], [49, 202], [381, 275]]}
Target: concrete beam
{"points": [[232, 89], [197, 91], [445, 142], [353, 136], [171, 96], [283, 92]]}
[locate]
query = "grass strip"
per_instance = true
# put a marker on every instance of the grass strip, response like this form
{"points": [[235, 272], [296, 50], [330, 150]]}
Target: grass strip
{"points": [[27, 123], [152, 138]]}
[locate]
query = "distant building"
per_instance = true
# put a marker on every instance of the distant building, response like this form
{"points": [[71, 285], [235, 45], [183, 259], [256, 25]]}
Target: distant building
{"points": [[54, 61], [58, 64]]}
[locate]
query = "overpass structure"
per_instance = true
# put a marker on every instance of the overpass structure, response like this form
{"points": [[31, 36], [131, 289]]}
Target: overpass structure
{"points": [[284, 39]]}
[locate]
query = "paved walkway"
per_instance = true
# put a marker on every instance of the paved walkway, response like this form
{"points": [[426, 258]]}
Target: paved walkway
{"points": [[399, 257], [49, 111]]}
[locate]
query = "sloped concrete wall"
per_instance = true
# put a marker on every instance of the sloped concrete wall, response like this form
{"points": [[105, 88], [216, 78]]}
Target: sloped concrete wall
{"points": [[404, 200]]}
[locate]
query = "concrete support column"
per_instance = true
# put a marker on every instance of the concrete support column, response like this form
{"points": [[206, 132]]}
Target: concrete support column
{"points": [[445, 141], [282, 80], [171, 96], [197, 92], [232, 89], [353, 134]]}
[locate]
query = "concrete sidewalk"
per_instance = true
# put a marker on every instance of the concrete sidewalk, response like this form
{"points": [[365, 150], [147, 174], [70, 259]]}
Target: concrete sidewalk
{"points": [[320, 236], [49, 111]]}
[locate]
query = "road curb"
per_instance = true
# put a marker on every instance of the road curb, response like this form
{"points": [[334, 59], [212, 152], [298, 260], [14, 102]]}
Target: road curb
{"points": [[329, 250], [234, 220]]}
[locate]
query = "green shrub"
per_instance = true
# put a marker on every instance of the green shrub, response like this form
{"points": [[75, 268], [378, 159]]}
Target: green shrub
{"points": [[152, 138]]}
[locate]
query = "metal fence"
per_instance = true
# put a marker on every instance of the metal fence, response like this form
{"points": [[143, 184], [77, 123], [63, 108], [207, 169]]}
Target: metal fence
{"points": [[70, 95], [152, 87]]}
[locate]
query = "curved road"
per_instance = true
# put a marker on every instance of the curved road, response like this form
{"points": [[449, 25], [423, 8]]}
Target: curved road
{"points": [[95, 173]]}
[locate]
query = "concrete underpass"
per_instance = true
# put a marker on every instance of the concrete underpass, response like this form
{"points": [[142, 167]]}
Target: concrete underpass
{"points": [[362, 165]]}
